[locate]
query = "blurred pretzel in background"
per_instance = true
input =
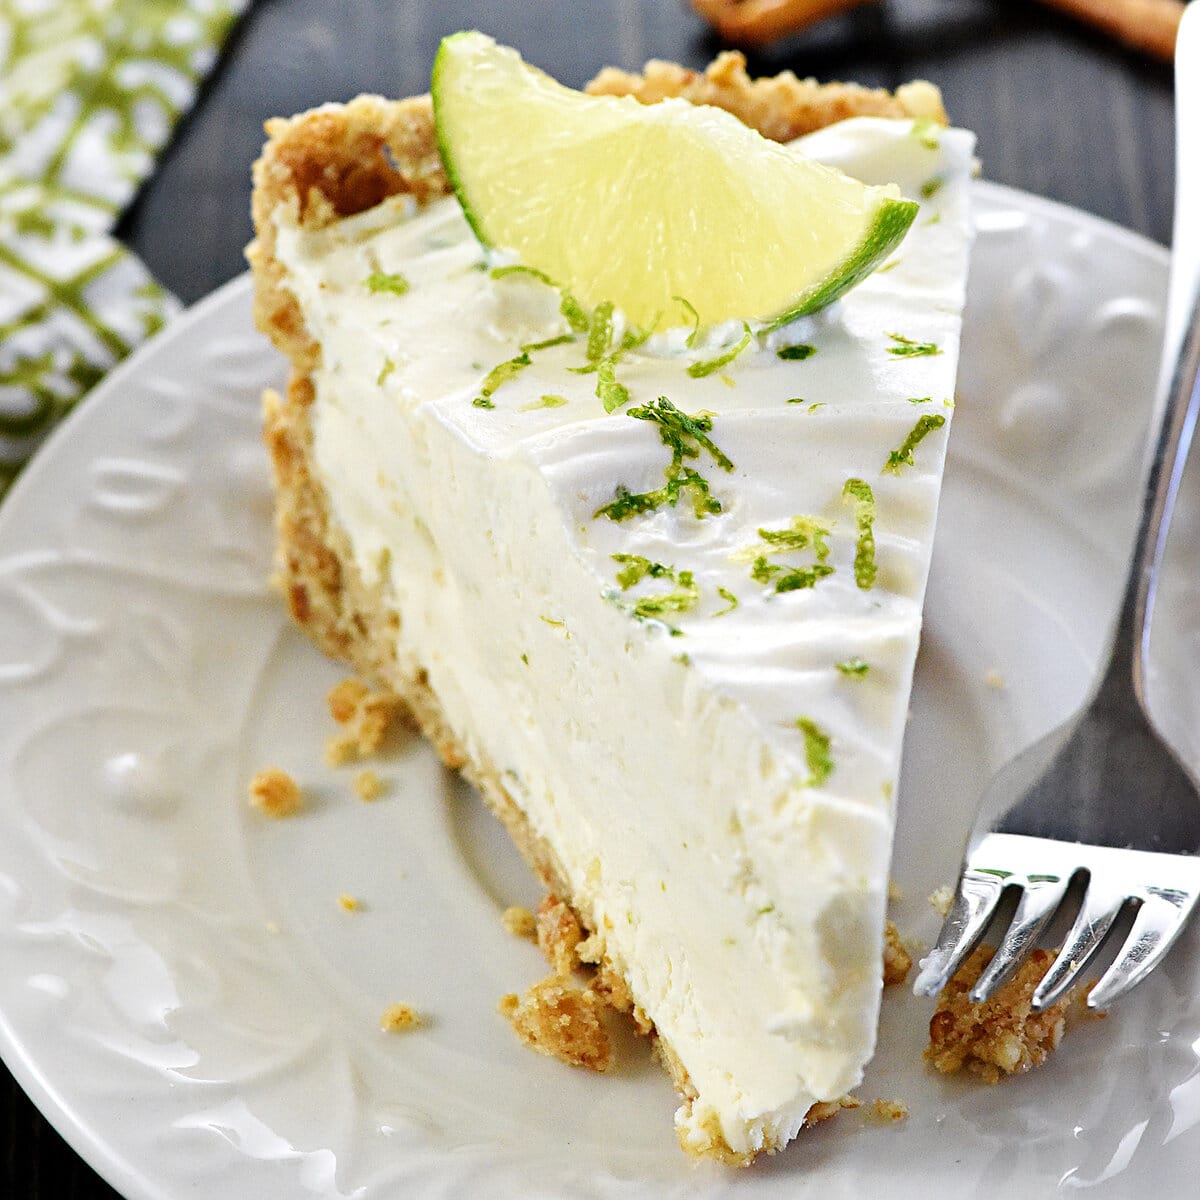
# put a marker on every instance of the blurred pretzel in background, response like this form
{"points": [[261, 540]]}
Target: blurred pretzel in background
{"points": [[756, 22], [1150, 26]]}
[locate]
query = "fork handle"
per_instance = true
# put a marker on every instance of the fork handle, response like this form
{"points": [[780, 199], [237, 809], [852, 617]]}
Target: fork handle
{"points": [[1166, 474], [1178, 384]]}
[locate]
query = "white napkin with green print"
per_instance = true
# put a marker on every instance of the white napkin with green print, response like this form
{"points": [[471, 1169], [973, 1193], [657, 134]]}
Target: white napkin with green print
{"points": [[90, 91]]}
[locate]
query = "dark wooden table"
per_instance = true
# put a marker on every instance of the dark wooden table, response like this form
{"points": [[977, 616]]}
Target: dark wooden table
{"points": [[1059, 111]]}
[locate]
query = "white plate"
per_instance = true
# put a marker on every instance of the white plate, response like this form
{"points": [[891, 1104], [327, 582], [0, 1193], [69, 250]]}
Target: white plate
{"points": [[181, 993]]}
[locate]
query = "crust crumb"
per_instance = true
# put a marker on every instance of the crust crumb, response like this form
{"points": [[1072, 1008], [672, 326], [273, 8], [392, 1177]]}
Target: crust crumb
{"points": [[558, 935], [824, 1109], [520, 922], [368, 786], [560, 1021], [365, 717], [350, 903], [1002, 1036], [897, 962], [344, 698], [610, 983], [340, 749], [887, 1111], [399, 1018], [274, 792], [781, 107], [376, 715]]}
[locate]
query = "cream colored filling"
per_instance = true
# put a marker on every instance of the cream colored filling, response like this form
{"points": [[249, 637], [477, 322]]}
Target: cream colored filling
{"points": [[743, 902]]}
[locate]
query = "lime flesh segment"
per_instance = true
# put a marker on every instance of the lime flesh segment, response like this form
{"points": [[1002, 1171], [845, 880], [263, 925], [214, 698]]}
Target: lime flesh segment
{"points": [[638, 204]]}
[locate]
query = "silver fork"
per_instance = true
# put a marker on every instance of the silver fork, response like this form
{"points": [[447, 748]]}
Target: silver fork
{"points": [[1102, 801]]}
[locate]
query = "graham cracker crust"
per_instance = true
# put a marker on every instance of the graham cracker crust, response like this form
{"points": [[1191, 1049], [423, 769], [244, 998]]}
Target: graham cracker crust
{"points": [[342, 159]]}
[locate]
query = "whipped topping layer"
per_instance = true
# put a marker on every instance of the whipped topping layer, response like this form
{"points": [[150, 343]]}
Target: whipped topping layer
{"points": [[699, 705]]}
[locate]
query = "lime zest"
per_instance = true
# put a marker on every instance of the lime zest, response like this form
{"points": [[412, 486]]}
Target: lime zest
{"points": [[503, 372], [785, 580], [633, 337], [859, 491], [685, 436], [388, 367], [388, 283], [611, 393], [574, 312], [796, 353], [906, 347], [561, 340], [550, 400], [600, 331], [931, 187], [698, 370], [731, 602], [903, 456], [684, 597], [854, 667], [816, 752], [928, 132], [691, 337], [603, 357], [519, 269], [801, 533], [500, 374], [637, 568], [920, 399]]}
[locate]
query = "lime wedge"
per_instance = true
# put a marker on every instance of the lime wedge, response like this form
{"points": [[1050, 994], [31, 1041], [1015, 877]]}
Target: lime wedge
{"points": [[642, 204]]}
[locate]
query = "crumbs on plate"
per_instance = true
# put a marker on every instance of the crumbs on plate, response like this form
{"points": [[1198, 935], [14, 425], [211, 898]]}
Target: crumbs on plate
{"points": [[365, 717], [520, 922], [398, 1018], [274, 792], [897, 962], [368, 786], [561, 1021], [888, 1111]]}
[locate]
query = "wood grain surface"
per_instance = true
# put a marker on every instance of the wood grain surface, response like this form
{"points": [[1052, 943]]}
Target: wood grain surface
{"points": [[1058, 110]]}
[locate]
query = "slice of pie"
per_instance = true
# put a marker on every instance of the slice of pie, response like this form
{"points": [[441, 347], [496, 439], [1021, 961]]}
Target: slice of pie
{"points": [[672, 644]]}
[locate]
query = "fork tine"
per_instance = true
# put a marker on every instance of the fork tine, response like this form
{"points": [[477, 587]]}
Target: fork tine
{"points": [[976, 900], [1100, 909], [1039, 902], [1159, 921]]}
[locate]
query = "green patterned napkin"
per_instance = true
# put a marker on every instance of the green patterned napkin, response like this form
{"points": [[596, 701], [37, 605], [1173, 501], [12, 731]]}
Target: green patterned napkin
{"points": [[90, 91]]}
